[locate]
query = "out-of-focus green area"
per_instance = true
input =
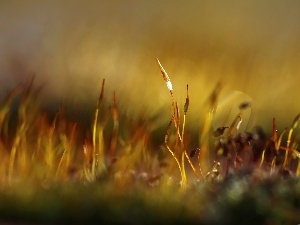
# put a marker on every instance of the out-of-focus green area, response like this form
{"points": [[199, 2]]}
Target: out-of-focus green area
{"points": [[251, 46], [233, 202]]}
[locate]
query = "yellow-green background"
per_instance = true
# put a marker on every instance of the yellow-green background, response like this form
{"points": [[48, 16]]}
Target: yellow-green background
{"points": [[251, 46]]}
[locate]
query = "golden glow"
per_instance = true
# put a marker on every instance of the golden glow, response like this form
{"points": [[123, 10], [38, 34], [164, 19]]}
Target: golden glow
{"points": [[251, 46]]}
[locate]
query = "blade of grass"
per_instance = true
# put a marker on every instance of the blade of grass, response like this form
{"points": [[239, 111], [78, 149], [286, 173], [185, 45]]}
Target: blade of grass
{"points": [[95, 123], [204, 153], [288, 145]]}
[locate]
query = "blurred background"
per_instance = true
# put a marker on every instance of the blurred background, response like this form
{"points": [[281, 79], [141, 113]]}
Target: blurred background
{"points": [[252, 47]]}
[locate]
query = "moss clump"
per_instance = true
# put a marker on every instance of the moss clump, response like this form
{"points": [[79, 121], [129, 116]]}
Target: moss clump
{"points": [[54, 171]]}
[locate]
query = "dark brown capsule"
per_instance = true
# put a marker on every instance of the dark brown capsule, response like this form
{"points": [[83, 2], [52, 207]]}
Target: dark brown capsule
{"points": [[244, 105], [194, 151], [219, 131]]}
